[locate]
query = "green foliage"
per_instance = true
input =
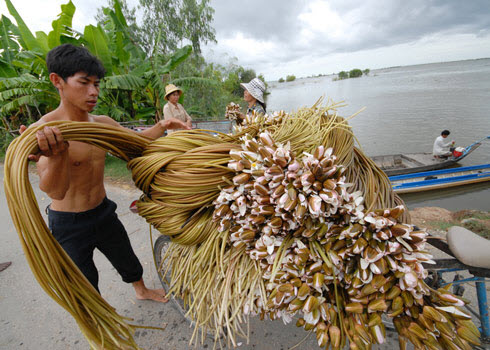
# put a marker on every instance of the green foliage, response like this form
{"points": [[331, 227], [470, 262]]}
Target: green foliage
{"points": [[29, 41], [6, 136], [97, 43], [60, 25], [366, 71], [168, 23], [290, 78], [18, 93], [116, 169], [355, 73], [246, 75], [138, 66], [208, 90], [133, 85], [25, 90], [5, 139], [343, 75], [281, 80]]}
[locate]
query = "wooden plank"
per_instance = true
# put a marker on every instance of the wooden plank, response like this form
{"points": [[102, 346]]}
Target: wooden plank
{"points": [[414, 161]]}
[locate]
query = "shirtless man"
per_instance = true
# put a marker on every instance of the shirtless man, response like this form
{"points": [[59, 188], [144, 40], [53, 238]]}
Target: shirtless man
{"points": [[81, 218]]}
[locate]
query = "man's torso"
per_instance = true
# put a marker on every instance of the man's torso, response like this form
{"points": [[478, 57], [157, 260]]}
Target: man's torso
{"points": [[87, 162]]}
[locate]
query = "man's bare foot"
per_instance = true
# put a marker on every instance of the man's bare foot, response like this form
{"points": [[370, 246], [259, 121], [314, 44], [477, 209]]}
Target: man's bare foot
{"points": [[152, 294], [143, 293]]}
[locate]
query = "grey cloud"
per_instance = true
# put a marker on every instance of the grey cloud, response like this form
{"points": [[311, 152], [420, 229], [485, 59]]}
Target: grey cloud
{"points": [[260, 19], [375, 23], [394, 22]]}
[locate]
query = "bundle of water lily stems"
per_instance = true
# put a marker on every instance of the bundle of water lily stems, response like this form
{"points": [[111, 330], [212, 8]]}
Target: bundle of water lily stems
{"points": [[284, 218]]}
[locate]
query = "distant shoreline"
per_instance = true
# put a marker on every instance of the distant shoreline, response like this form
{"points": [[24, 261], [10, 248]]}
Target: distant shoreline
{"points": [[319, 75]]}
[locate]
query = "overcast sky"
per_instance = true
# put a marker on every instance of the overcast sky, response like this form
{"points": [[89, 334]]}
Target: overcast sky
{"points": [[281, 37]]}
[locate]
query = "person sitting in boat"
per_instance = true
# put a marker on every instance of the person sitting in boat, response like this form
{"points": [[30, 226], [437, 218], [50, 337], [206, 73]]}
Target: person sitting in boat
{"points": [[443, 149]]}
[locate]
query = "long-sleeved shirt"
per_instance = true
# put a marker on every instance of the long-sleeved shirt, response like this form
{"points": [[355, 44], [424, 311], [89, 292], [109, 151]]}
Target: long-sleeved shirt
{"points": [[441, 148]]}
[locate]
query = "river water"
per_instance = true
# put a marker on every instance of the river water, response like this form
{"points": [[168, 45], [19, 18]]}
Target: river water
{"points": [[406, 109]]}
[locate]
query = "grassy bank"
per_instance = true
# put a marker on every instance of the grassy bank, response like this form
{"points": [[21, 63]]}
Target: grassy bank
{"points": [[474, 220], [115, 169]]}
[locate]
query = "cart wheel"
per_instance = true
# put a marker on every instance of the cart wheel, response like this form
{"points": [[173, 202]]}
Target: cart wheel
{"points": [[160, 248]]}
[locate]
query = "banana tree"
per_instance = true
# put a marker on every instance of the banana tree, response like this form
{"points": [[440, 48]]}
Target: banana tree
{"points": [[137, 85], [25, 89]]}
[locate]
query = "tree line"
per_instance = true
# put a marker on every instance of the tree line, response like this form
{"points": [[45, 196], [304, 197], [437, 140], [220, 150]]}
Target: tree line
{"points": [[354, 73]]}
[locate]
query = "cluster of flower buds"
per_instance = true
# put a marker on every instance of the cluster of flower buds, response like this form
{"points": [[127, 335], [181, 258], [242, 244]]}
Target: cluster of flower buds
{"points": [[324, 256], [262, 120], [275, 194], [232, 111]]}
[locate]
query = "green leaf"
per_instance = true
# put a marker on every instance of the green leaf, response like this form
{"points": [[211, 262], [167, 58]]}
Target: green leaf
{"points": [[145, 113], [119, 14], [196, 82], [64, 20], [27, 89], [6, 70], [8, 94], [69, 40], [42, 39], [124, 82], [177, 58], [27, 37], [8, 44], [121, 52], [98, 45], [15, 104], [31, 61]]}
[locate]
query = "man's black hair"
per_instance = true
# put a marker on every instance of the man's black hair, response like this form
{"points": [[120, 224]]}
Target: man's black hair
{"points": [[66, 60], [445, 132]]}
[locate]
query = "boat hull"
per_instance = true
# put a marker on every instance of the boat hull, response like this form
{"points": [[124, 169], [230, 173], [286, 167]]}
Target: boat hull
{"points": [[440, 179], [399, 164]]}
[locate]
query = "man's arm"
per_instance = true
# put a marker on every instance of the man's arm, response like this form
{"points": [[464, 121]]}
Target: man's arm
{"points": [[156, 130], [53, 163], [448, 144], [159, 128]]}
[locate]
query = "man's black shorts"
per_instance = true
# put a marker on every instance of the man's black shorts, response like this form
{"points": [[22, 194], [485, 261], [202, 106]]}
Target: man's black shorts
{"points": [[80, 233]]}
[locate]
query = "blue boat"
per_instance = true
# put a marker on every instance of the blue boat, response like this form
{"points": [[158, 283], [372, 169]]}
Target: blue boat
{"points": [[437, 179]]}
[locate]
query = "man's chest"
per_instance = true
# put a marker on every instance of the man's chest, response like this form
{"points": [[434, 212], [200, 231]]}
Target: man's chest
{"points": [[83, 155]]}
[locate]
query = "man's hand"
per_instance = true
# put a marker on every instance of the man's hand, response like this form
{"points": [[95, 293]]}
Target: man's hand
{"points": [[50, 142], [173, 123]]}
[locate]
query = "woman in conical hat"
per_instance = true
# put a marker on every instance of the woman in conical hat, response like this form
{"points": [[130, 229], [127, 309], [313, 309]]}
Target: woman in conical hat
{"points": [[173, 109]]}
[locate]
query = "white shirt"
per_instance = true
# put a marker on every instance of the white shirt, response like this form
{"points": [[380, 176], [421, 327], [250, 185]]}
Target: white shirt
{"points": [[440, 148]]}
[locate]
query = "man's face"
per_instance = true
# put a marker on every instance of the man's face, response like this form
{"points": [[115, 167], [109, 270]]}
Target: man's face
{"points": [[81, 91]]}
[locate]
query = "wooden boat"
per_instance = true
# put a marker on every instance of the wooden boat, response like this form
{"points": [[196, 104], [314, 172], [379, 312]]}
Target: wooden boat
{"points": [[437, 179], [398, 164]]}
